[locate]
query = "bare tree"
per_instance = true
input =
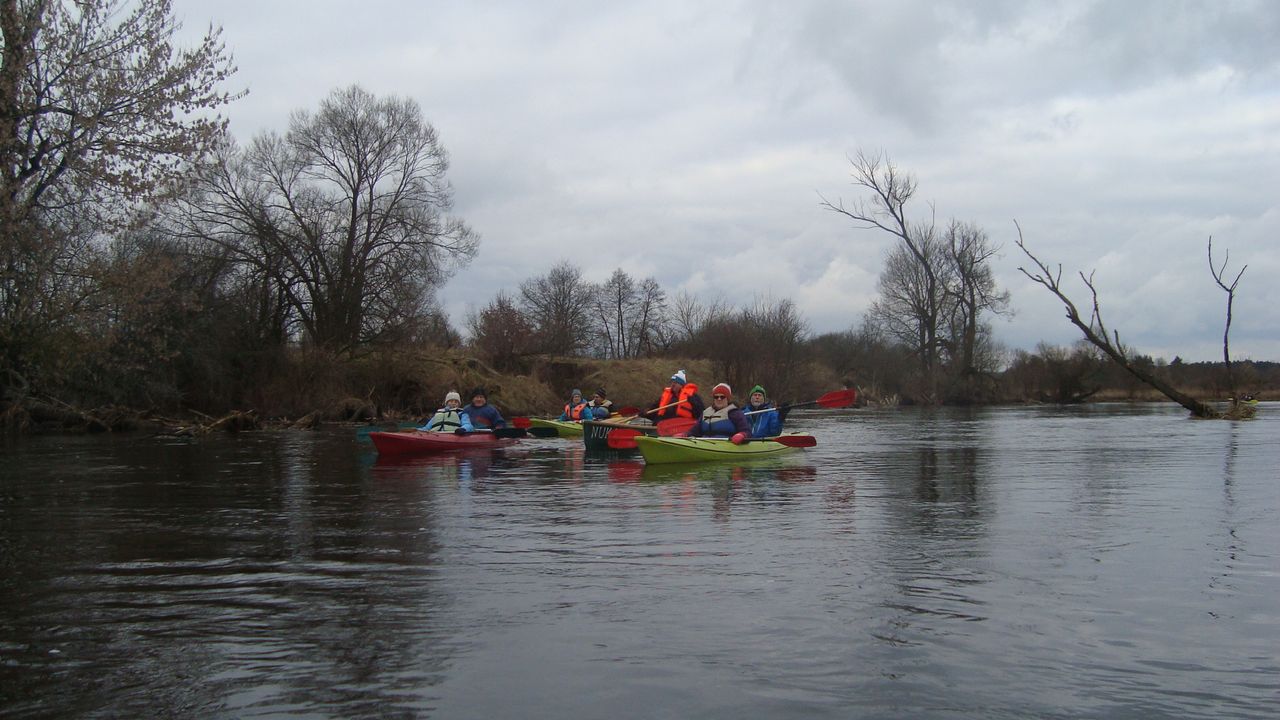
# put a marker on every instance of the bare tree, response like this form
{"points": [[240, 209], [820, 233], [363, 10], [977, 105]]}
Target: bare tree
{"points": [[501, 333], [99, 113], [346, 214], [1230, 290], [912, 301], [890, 191], [559, 306], [1108, 341], [973, 291], [614, 303], [650, 321]]}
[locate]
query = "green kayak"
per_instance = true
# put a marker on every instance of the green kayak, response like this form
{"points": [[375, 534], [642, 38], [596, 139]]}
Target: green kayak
{"points": [[563, 428], [683, 450]]}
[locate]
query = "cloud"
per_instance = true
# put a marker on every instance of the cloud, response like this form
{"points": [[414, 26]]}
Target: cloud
{"points": [[690, 142]]}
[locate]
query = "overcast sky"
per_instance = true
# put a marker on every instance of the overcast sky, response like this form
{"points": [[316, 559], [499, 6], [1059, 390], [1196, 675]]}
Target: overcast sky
{"points": [[694, 141]]}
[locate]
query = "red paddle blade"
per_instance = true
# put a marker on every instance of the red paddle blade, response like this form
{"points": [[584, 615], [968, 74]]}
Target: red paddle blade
{"points": [[521, 422], [799, 441], [627, 411], [622, 439], [838, 398], [675, 426]]}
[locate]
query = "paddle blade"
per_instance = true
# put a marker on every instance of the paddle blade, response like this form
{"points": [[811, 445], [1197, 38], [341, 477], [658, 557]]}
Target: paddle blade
{"points": [[521, 422], [799, 441], [627, 411], [675, 426], [515, 432], [838, 398], [622, 439]]}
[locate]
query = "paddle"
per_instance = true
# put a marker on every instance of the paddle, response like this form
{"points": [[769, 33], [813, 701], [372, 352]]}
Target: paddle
{"points": [[797, 441], [675, 426], [513, 432], [628, 411], [622, 438], [833, 399]]}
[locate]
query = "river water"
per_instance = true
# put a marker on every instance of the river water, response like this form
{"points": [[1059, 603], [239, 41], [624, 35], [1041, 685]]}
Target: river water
{"points": [[1105, 561]]}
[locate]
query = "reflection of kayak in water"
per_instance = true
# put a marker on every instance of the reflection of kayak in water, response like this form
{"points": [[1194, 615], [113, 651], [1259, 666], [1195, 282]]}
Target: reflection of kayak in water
{"points": [[417, 441]]}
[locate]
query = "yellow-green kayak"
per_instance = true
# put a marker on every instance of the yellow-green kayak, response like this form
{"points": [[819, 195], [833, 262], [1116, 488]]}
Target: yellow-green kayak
{"points": [[658, 450], [564, 428]]}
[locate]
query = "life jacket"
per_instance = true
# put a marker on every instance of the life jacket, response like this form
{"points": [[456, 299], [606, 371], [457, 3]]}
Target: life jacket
{"points": [[446, 420], [574, 412], [685, 408], [607, 405], [716, 423]]}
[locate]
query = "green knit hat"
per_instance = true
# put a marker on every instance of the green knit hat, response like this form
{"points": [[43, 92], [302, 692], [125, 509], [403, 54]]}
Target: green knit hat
{"points": [[757, 389]]}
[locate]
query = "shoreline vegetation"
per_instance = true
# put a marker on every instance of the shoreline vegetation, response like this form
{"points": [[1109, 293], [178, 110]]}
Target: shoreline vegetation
{"points": [[398, 387]]}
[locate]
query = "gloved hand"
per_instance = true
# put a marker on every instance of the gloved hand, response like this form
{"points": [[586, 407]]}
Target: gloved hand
{"points": [[460, 431], [739, 438]]}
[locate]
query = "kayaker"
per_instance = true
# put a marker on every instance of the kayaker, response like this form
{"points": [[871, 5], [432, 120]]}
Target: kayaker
{"points": [[576, 408], [483, 416], [449, 418], [600, 406], [723, 419], [763, 417], [680, 399]]}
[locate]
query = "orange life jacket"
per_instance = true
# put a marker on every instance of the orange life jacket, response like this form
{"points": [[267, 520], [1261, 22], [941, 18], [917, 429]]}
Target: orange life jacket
{"points": [[685, 408], [574, 412]]}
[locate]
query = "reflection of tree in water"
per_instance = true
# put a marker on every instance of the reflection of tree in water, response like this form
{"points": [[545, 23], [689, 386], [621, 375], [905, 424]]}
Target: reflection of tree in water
{"points": [[1232, 545], [937, 517], [280, 571]]}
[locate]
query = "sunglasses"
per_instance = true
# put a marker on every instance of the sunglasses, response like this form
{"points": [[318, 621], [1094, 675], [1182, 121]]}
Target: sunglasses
{"points": [[719, 397]]}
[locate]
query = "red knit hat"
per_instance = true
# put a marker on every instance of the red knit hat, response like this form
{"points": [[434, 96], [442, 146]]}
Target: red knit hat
{"points": [[722, 389]]}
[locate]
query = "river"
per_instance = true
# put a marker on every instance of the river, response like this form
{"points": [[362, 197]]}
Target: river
{"points": [[1103, 561]]}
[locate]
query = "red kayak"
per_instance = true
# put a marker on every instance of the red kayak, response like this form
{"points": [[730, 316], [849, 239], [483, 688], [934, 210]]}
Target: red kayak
{"points": [[416, 441]]}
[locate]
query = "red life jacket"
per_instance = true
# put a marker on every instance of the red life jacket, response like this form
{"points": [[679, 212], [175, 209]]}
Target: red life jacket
{"points": [[574, 412], [685, 408]]}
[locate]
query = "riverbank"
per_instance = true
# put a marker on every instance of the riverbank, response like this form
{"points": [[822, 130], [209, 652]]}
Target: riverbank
{"points": [[310, 389]]}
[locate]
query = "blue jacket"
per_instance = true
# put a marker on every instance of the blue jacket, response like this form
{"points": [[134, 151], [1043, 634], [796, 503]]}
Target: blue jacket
{"points": [[598, 412], [484, 417], [763, 424]]}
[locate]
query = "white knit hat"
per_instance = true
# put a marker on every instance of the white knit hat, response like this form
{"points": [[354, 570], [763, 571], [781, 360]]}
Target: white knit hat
{"points": [[678, 377], [452, 395]]}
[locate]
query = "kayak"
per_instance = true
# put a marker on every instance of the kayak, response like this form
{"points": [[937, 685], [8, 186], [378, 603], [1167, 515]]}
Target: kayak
{"points": [[417, 441], [658, 450], [563, 428], [595, 433]]}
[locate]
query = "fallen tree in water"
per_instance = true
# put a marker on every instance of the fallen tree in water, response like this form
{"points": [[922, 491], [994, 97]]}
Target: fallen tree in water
{"points": [[1095, 331]]}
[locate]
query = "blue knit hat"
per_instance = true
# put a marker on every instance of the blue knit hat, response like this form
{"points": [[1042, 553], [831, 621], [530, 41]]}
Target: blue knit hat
{"points": [[678, 377]]}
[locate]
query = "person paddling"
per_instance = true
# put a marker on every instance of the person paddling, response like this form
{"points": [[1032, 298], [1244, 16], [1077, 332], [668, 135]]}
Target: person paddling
{"points": [[449, 418], [600, 406], [576, 408], [764, 418], [680, 399], [723, 419], [483, 416]]}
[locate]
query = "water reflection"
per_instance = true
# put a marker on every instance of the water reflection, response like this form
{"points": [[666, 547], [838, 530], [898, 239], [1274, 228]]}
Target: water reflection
{"points": [[1015, 562]]}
